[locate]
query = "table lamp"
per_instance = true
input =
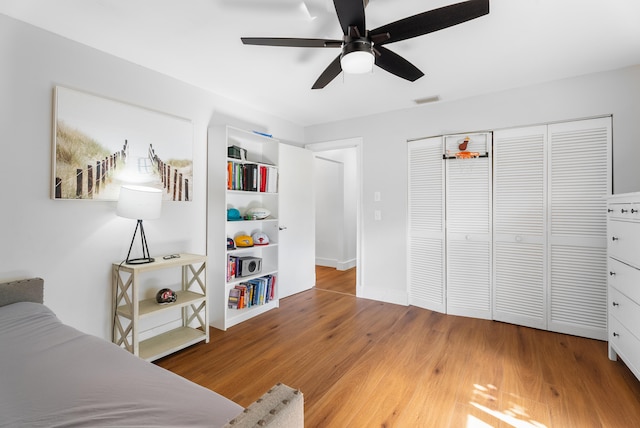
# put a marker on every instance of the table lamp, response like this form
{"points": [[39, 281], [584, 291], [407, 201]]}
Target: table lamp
{"points": [[139, 203]]}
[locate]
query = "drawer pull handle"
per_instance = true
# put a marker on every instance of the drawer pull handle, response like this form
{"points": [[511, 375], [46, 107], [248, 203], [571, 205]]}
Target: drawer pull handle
{"points": [[615, 304], [614, 238], [612, 273], [609, 210], [633, 211], [623, 211], [615, 334]]}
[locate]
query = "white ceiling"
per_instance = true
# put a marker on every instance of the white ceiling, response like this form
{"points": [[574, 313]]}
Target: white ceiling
{"points": [[520, 42]]}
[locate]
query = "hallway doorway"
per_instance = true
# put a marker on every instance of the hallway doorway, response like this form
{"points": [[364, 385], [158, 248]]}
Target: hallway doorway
{"points": [[338, 192]]}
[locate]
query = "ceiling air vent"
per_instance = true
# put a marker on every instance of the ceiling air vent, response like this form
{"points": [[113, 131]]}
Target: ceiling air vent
{"points": [[426, 100]]}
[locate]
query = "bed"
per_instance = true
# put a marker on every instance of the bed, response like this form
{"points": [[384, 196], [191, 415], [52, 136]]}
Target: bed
{"points": [[52, 375]]}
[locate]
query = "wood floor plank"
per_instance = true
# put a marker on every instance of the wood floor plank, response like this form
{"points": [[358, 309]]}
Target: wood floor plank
{"points": [[597, 373], [328, 278], [363, 363]]}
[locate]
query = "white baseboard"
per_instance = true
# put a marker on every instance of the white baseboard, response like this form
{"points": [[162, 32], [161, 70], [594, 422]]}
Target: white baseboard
{"points": [[344, 265], [326, 262], [383, 295]]}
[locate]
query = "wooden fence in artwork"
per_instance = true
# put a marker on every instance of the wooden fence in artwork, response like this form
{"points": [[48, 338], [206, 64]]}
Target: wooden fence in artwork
{"points": [[98, 175], [173, 181]]}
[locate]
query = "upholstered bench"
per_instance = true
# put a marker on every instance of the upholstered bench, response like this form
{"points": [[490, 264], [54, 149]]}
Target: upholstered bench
{"points": [[281, 407]]}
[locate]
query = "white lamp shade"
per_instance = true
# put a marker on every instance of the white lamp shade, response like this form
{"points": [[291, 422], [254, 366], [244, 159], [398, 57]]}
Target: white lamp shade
{"points": [[357, 62], [139, 202]]}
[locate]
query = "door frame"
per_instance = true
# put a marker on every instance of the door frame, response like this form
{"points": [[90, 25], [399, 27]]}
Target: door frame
{"points": [[349, 143]]}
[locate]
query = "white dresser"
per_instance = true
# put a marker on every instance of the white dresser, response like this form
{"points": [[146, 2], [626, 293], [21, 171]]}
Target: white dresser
{"points": [[623, 234]]}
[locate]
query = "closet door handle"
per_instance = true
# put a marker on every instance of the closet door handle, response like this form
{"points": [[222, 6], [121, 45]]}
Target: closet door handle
{"points": [[623, 211], [614, 238], [609, 210], [615, 304], [612, 273], [633, 211], [615, 334]]}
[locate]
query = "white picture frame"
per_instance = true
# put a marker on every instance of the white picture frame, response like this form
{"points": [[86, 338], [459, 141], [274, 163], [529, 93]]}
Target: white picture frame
{"points": [[100, 144]]}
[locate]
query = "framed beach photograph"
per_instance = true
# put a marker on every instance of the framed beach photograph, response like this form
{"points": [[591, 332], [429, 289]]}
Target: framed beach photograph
{"points": [[99, 144]]}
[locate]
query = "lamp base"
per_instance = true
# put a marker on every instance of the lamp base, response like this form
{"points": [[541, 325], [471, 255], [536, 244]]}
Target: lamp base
{"points": [[140, 261], [146, 258]]}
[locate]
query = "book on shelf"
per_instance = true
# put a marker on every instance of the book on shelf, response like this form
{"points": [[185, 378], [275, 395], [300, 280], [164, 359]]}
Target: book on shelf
{"points": [[249, 177], [253, 292], [272, 179], [241, 295], [272, 287], [263, 178], [232, 266], [234, 297], [252, 177], [245, 295], [256, 297]]}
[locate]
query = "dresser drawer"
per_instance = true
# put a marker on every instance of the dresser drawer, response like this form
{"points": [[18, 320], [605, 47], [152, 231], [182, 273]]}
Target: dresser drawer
{"points": [[625, 311], [623, 241], [625, 211], [625, 279], [625, 344]]}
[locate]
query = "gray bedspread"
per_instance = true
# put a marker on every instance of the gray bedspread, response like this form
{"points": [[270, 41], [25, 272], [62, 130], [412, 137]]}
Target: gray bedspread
{"points": [[52, 375]]}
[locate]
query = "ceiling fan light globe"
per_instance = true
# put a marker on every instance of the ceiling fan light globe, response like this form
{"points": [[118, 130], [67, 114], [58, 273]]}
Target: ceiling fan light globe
{"points": [[357, 62]]}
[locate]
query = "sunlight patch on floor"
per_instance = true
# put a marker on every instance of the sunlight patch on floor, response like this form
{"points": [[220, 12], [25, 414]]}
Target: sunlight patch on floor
{"points": [[473, 422], [486, 399]]}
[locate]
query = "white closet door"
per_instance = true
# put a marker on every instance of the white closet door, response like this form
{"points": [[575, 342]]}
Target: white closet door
{"points": [[579, 184], [519, 226], [426, 279], [468, 213]]}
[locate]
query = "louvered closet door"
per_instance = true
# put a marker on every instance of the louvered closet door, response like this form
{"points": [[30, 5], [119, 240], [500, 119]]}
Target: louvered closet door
{"points": [[580, 181], [519, 226], [468, 212], [426, 224]]}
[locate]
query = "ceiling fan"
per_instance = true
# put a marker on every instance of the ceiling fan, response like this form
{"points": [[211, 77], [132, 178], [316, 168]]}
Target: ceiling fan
{"points": [[362, 48]]}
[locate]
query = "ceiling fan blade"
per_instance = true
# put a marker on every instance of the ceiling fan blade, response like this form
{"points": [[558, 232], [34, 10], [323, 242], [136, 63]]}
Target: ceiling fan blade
{"points": [[291, 42], [328, 74], [395, 64], [432, 20], [350, 14]]}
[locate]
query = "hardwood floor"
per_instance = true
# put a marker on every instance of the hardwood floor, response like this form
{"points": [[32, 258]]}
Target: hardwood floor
{"points": [[328, 278], [362, 363]]}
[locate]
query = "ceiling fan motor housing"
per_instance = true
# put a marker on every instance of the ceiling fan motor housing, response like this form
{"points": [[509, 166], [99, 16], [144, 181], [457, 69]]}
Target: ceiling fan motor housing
{"points": [[356, 44], [357, 55]]}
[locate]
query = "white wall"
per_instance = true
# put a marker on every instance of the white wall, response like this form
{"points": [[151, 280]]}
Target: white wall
{"points": [[71, 244], [329, 194], [383, 263], [336, 208]]}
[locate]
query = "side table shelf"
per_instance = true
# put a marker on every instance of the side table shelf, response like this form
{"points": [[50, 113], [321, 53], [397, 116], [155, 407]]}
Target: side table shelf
{"points": [[191, 303]]}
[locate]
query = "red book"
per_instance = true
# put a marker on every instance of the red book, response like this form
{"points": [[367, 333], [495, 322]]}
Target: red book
{"points": [[263, 178]]}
